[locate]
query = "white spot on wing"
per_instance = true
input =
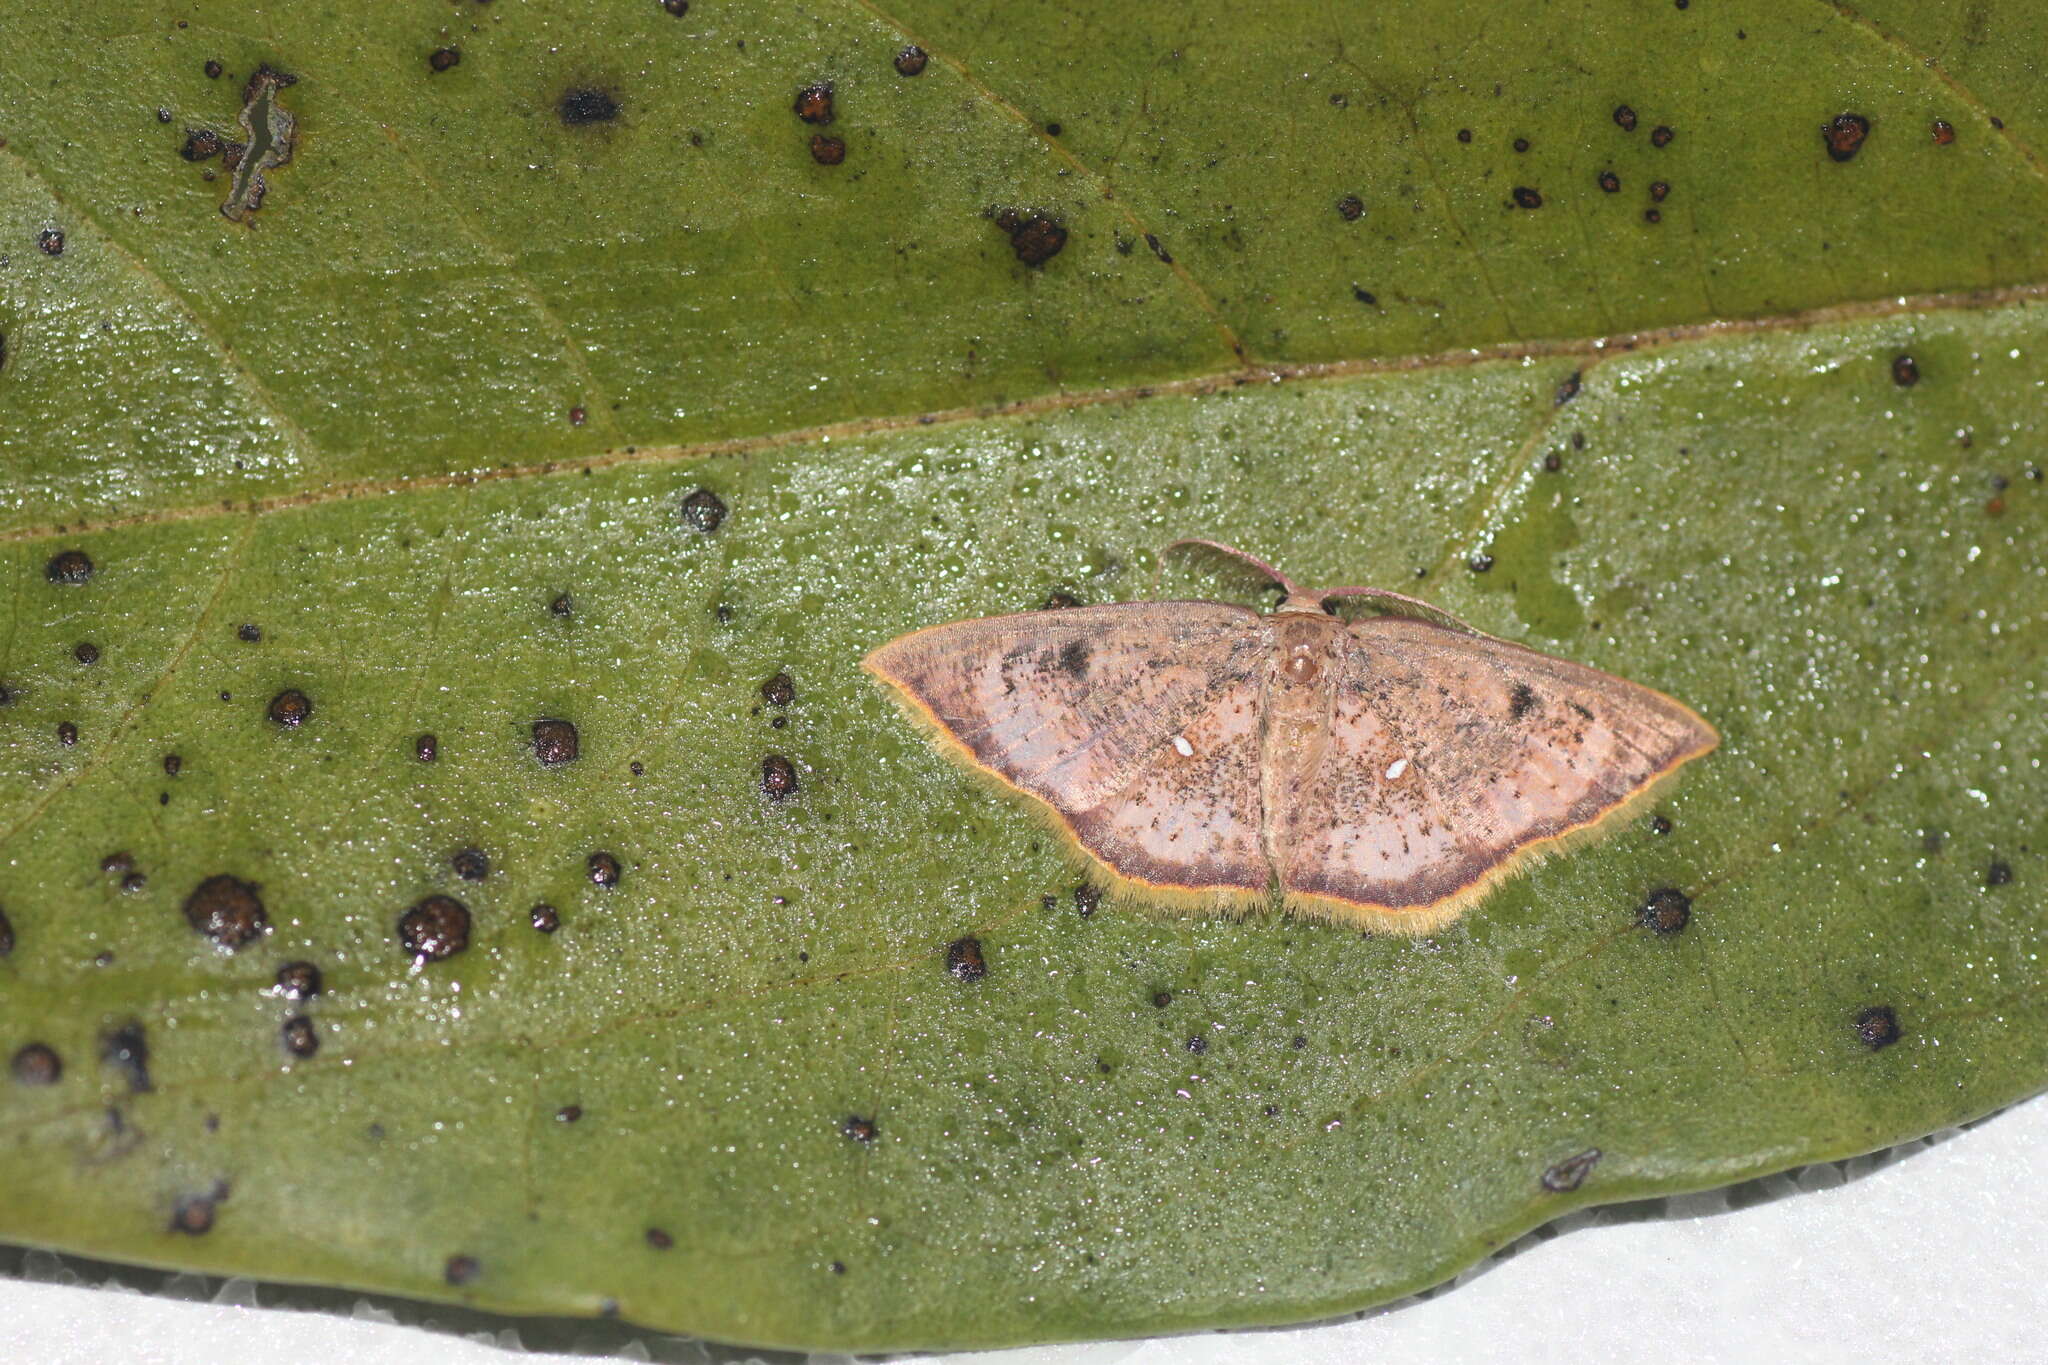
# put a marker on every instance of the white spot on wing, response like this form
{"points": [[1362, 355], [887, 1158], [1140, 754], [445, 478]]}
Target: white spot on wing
{"points": [[1182, 747], [1396, 768]]}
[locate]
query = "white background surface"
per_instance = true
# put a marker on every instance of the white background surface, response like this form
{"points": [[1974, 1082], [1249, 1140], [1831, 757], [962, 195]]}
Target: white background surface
{"points": [[1933, 1252]]}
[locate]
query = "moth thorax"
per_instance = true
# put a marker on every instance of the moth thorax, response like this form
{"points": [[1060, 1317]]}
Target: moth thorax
{"points": [[1301, 665]]}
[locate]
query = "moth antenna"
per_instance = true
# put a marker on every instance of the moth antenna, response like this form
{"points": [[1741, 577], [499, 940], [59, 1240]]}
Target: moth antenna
{"points": [[1287, 584], [1404, 605]]}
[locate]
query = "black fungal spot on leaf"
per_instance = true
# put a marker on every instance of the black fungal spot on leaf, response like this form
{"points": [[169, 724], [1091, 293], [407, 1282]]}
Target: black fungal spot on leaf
{"points": [[1035, 237], [435, 929], [1666, 911], [126, 1050], [545, 918], [659, 1240], [911, 60], [603, 869], [1625, 118], [569, 1113], [1998, 874], [562, 606], [298, 981], [778, 690], [827, 151], [702, 511], [577, 416], [585, 105], [1609, 181], [1659, 190], [1528, 198], [1364, 296], [1843, 135], [227, 910], [1569, 1174], [1661, 136], [300, 1038], [1521, 144], [213, 69], [444, 58], [1351, 208], [676, 7], [50, 241], [1877, 1026], [248, 633], [86, 653], [133, 882], [1659, 825], [1652, 216], [1087, 900], [778, 778], [290, 708], [67, 733], [1905, 371], [964, 959], [1567, 390], [1161, 999], [1197, 1044], [859, 1129], [6, 934], [1165, 256], [426, 748], [1464, 135], [555, 742], [69, 568], [813, 103], [460, 1270], [1552, 462], [37, 1064], [471, 864], [1480, 562]]}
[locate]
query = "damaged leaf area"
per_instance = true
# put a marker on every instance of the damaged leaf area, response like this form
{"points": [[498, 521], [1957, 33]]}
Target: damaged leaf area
{"points": [[448, 846]]}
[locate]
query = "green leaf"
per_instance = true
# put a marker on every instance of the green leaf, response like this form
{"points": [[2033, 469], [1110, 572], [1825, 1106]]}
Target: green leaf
{"points": [[416, 439]]}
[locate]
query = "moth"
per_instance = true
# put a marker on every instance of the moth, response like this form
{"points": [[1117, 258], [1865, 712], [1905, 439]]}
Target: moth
{"points": [[1382, 772]]}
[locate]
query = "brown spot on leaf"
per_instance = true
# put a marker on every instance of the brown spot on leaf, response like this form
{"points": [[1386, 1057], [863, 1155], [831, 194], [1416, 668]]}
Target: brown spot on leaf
{"points": [[1877, 1026], [471, 864], [1944, 132], [1666, 911], [676, 7], [1480, 563], [911, 60], [67, 733], [435, 929], [37, 1064], [298, 981], [69, 567], [1661, 136], [201, 144], [1161, 999], [1528, 198], [603, 869], [964, 959], [50, 241], [1609, 181], [827, 151], [1197, 1044], [1659, 190], [1569, 1174], [1567, 390], [1464, 135], [270, 134], [702, 511], [291, 708], [460, 1270], [859, 1129], [1905, 371], [1660, 825], [659, 1239], [1351, 208], [1625, 118], [86, 652], [555, 742], [778, 778], [545, 918], [778, 690], [444, 58], [213, 69], [6, 934], [1843, 135], [569, 1113], [248, 633], [300, 1038], [192, 1214], [1087, 900], [1998, 874], [1653, 216], [426, 748], [227, 910], [1035, 237], [814, 103]]}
